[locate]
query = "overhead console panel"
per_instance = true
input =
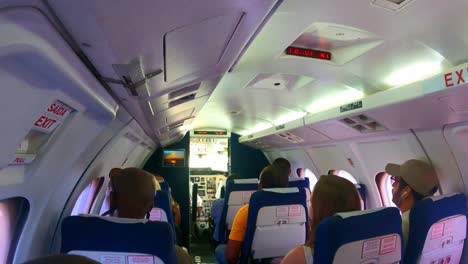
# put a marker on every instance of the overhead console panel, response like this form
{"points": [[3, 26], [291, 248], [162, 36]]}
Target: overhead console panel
{"points": [[163, 59], [427, 104], [198, 47], [336, 44]]}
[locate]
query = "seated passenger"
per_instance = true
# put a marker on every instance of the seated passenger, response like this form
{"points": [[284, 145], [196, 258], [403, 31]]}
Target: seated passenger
{"points": [[216, 213], [270, 177], [59, 259], [331, 195], [284, 164], [411, 182], [132, 196], [156, 182]]}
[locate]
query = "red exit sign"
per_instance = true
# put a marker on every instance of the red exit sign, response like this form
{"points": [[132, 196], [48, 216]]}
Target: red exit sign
{"points": [[308, 53]]}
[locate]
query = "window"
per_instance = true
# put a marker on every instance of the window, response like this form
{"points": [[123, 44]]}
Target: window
{"points": [[384, 184], [306, 173], [87, 197], [13, 213], [343, 174]]}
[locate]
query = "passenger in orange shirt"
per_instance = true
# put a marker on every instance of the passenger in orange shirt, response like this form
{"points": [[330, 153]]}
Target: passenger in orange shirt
{"points": [[271, 177]]}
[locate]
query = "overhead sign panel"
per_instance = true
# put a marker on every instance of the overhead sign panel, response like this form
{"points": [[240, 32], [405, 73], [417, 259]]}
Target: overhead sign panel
{"points": [[308, 53]]}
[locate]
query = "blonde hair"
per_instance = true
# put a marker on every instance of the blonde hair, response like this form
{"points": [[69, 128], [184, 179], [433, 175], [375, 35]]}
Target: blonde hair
{"points": [[332, 194]]}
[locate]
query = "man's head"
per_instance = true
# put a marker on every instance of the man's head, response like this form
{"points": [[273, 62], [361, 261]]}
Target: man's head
{"points": [[284, 165], [273, 177], [132, 192], [411, 182]]}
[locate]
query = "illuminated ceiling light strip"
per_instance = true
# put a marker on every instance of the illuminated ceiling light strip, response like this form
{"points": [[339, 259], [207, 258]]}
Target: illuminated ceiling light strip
{"points": [[288, 118], [335, 100], [413, 73]]}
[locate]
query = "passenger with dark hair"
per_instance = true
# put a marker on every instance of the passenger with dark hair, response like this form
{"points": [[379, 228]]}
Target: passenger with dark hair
{"points": [[284, 165], [132, 196], [270, 177], [331, 195], [412, 181]]}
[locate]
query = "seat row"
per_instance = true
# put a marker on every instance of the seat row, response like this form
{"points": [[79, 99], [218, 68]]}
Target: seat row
{"points": [[278, 221]]}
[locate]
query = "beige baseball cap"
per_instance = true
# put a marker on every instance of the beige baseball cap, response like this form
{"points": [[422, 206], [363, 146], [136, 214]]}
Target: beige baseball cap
{"points": [[419, 175]]}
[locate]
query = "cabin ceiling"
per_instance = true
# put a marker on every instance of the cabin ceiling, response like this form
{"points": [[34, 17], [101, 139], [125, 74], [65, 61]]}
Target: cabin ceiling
{"points": [[217, 64]]}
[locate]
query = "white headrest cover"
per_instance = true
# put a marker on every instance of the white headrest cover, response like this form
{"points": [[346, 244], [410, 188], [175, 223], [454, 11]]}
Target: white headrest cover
{"points": [[245, 181], [117, 219], [293, 179], [158, 214], [383, 249], [440, 197], [356, 213], [283, 190], [278, 230], [445, 240], [118, 257]]}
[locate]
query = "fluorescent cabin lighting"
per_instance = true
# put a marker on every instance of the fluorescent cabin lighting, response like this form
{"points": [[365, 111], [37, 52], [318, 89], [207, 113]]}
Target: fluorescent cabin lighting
{"points": [[256, 128], [334, 100], [289, 117], [413, 73]]}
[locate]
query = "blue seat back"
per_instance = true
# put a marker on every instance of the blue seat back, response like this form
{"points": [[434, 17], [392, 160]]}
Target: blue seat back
{"points": [[102, 238], [162, 200], [371, 236], [277, 222], [164, 186], [238, 192], [437, 230], [362, 191], [299, 182]]}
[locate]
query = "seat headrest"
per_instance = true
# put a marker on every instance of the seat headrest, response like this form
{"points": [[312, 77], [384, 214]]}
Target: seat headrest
{"points": [[299, 182], [350, 235], [119, 220], [358, 213], [110, 234], [245, 181], [282, 190], [293, 179], [164, 186]]}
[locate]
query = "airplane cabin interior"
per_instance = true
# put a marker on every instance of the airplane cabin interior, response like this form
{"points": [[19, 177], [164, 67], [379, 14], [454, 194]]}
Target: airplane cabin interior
{"points": [[204, 96]]}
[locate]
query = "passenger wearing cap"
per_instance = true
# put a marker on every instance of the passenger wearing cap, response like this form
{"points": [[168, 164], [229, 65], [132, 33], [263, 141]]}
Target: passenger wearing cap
{"points": [[412, 181], [132, 196]]}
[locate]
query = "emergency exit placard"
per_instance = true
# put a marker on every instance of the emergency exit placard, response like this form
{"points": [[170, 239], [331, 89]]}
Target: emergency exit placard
{"points": [[45, 122], [52, 117]]}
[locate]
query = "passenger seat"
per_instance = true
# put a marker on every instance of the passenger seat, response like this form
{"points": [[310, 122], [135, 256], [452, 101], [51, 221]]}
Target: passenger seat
{"points": [[277, 222], [437, 230], [162, 210], [371, 237], [238, 192], [118, 240]]}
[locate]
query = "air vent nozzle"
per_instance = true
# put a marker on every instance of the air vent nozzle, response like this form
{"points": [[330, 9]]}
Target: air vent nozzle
{"points": [[290, 137], [363, 124]]}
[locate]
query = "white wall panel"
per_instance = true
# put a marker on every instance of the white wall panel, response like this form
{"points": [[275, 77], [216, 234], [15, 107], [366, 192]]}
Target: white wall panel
{"points": [[456, 136]]}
